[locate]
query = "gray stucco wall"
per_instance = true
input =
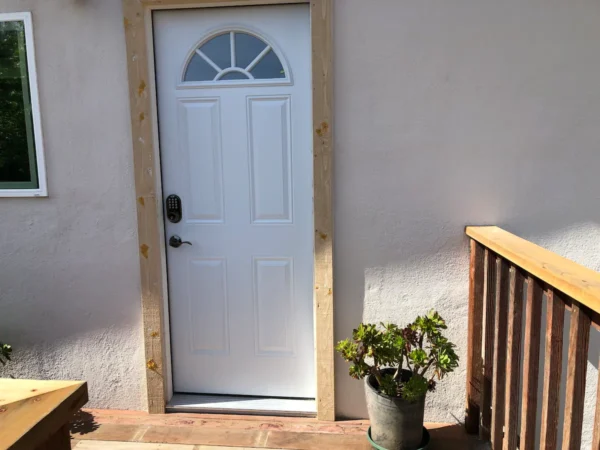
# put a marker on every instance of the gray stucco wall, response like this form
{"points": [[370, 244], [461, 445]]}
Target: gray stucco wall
{"points": [[456, 113], [69, 273], [446, 114]]}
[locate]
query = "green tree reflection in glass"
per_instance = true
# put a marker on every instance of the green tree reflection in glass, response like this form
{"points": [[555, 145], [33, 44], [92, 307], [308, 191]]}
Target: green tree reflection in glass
{"points": [[17, 145]]}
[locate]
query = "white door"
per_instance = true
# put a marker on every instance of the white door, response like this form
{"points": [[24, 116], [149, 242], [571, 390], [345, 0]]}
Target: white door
{"points": [[234, 104]]}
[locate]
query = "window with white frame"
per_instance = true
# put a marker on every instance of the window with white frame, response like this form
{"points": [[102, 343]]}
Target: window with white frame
{"points": [[231, 57], [22, 172]]}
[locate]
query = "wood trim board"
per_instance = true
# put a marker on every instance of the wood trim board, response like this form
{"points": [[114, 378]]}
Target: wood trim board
{"points": [[140, 66]]}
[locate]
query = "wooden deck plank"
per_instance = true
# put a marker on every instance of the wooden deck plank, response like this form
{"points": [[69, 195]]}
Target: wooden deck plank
{"points": [[208, 432], [310, 441], [111, 432], [92, 418], [112, 445], [205, 436]]}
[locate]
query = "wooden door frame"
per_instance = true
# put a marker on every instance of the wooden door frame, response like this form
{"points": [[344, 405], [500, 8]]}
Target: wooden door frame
{"points": [[142, 96]]}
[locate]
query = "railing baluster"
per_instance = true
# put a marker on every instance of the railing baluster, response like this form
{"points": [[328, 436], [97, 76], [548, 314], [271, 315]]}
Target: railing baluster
{"points": [[488, 353], [579, 341], [474, 369], [596, 441], [498, 380], [552, 370], [513, 359], [531, 363]]}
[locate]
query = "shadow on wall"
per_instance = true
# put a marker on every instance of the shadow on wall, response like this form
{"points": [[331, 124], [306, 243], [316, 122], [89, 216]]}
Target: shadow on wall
{"points": [[438, 278]]}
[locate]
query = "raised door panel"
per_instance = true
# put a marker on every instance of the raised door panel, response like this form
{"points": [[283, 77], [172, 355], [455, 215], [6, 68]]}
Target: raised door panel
{"points": [[200, 131], [273, 306], [208, 306], [270, 159]]}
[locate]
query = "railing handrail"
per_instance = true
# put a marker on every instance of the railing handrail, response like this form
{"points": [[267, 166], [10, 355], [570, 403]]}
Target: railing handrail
{"points": [[578, 282]]}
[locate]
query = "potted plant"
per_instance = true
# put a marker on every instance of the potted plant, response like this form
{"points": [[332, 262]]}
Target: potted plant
{"points": [[399, 365], [5, 351]]}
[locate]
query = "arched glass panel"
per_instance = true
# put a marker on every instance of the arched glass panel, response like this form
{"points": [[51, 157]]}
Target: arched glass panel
{"points": [[248, 56], [199, 70], [218, 50], [268, 67], [247, 47]]}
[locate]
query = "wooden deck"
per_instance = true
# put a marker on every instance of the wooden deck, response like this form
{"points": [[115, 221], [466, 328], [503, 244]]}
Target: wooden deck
{"points": [[127, 430]]}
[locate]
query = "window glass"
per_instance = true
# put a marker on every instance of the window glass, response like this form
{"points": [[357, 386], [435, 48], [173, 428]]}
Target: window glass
{"points": [[247, 48], [268, 67], [218, 50], [199, 70], [213, 61], [17, 144]]}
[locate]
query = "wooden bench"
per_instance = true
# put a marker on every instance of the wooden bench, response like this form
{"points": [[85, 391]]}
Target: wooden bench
{"points": [[35, 414]]}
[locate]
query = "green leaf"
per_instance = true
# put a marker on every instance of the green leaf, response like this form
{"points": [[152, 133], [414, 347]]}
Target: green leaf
{"points": [[415, 388]]}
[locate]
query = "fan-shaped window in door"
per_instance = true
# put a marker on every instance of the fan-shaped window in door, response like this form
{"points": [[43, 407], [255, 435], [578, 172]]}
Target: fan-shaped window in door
{"points": [[234, 55]]}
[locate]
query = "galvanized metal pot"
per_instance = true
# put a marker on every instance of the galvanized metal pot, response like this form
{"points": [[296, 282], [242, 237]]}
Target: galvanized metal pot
{"points": [[396, 424]]}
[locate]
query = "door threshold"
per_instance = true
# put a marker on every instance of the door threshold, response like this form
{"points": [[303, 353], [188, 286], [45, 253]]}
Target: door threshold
{"points": [[234, 404]]}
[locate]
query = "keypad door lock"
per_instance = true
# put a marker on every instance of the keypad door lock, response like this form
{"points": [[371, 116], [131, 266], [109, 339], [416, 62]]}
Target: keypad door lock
{"points": [[173, 206]]}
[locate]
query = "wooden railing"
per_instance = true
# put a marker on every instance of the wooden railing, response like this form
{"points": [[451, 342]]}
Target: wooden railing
{"points": [[504, 267]]}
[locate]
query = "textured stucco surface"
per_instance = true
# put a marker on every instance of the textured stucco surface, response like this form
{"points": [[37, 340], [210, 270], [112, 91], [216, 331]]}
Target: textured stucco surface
{"points": [[446, 114], [450, 113], [69, 273]]}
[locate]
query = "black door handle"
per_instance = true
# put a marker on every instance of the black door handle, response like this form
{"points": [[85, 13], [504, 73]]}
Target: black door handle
{"points": [[176, 242]]}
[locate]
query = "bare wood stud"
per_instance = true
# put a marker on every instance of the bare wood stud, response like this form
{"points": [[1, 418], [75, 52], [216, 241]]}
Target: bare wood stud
{"points": [[579, 341], [148, 207], [322, 75], [513, 359], [531, 363], [553, 359], [488, 353], [498, 380], [474, 363]]}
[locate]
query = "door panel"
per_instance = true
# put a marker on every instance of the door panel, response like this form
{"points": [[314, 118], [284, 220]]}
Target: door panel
{"points": [[200, 131], [239, 154], [270, 160]]}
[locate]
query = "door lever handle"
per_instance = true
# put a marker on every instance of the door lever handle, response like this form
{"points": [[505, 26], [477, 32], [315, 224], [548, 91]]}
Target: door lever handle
{"points": [[176, 242]]}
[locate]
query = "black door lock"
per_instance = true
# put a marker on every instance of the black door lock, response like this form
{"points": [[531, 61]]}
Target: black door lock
{"points": [[173, 206]]}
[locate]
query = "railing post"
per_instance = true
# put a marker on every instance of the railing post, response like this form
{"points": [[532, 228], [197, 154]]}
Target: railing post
{"points": [[474, 362]]}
